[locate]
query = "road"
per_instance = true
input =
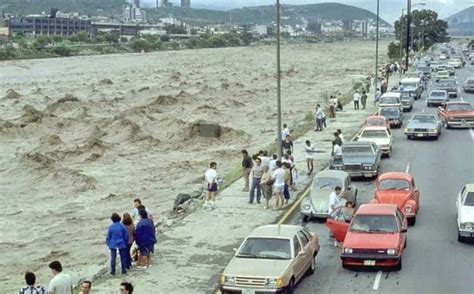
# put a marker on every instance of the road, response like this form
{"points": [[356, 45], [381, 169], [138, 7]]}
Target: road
{"points": [[434, 261]]}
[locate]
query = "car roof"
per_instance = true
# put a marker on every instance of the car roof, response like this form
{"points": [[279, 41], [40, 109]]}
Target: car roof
{"points": [[432, 91], [378, 116], [408, 80], [458, 103], [281, 231], [424, 114], [377, 209], [376, 128], [329, 173], [395, 175], [470, 187], [358, 143], [391, 94]]}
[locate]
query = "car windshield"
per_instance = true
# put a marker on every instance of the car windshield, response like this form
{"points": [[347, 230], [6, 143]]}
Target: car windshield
{"points": [[459, 107], [447, 83], [356, 150], [437, 94], [389, 111], [376, 122], [470, 82], [374, 224], [265, 248], [424, 119], [469, 201], [374, 134], [327, 183], [389, 100], [394, 184], [409, 85]]}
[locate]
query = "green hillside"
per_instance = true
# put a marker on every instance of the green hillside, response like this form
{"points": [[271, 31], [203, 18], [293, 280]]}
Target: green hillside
{"points": [[87, 7], [291, 14]]}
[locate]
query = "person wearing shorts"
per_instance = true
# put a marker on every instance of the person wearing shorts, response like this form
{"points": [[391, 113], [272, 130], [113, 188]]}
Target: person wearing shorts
{"points": [[211, 179], [145, 238], [279, 184]]}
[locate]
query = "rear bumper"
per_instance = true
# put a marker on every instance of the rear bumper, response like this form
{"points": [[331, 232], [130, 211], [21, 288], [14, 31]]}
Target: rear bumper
{"points": [[421, 134], [466, 234], [311, 212], [366, 173], [436, 101], [460, 124]]}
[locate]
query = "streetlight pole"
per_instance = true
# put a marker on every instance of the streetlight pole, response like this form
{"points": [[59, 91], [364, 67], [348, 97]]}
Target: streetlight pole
{"points": [[376, 52], [407, 48], [278, 80], [401, 33]]}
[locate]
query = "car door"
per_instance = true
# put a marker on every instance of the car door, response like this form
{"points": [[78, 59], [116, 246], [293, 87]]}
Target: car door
{"points": [[306, 246], [442, 112], [416, 193], [403, 225], [459, 200], [300, 258], [390, 136]]}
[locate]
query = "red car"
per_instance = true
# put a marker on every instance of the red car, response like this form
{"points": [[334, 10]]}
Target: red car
{"points": [[456, 115], [377, 120], [398, 188], [376, 237]]}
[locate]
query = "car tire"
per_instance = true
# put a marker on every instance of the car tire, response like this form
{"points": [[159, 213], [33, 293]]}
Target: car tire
{"points": [[406, 241], [398, 267], [446, 125], [312, 266], [290, 289], [411, 221], [408, 137], [305, 218], [389, 153], [461, 239], [436, 137]]}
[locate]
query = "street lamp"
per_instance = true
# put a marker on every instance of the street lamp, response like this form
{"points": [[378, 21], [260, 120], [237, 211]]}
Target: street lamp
{"points": [[376, 51], [409, 6], [278, 80]]}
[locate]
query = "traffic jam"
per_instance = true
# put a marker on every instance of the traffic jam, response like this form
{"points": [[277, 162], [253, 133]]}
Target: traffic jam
{"points": [[365, 213]]}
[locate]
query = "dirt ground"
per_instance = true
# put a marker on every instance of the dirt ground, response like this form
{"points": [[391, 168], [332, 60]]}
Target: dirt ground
{"points": [[82, 137]]}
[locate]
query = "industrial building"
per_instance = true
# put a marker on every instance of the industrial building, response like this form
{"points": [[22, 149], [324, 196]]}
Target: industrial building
{"points": [[56, 23]]}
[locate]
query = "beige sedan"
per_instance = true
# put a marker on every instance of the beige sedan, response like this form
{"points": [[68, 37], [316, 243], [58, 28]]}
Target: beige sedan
{"points": [[272, 259]]}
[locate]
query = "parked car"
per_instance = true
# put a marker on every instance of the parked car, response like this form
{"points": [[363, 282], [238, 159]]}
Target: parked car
{"points": [[465, 212], [377, 120], [359, 159], [407, 100], [272, 259], [442, 75], [450, 86], [437, 97], [376, 237], [456, 115], [423, 125], [398, 188], [413, 85], [390, 99], [380, 136], [317, 203], [456, 63], [393, 115], [468, 85]]}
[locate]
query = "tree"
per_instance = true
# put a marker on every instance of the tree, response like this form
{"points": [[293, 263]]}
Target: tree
{"points": [[41, 42], [394, 51], [426, 29], [62, 50], [246, 38], [140, 44]]}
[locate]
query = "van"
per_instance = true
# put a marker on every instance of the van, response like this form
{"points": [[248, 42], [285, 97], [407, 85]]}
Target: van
{"points": [[391, 99], [412, 85]]}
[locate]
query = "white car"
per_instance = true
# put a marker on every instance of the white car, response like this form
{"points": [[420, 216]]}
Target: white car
{"points": [[380, 135], [456, 63], [443, 57], [391, 99], [465, 210]]}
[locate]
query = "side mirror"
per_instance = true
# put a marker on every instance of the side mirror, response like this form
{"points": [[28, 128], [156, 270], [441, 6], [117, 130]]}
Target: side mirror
{"points": [[404, 230], [235, 250]]}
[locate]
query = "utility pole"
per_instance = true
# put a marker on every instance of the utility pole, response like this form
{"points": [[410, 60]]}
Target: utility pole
{"points": [[278, 80], [401, 33], [376, 52], [407, 49]]}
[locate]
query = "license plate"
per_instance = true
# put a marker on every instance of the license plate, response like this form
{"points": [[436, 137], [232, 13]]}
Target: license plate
{"points": [[369, 262], [420, 135], [248, 291]]}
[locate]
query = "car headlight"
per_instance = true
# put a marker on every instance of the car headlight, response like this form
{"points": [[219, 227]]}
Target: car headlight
{"points": [[348, 250], [392, 251], [466, 226], [227, 279], [408, 209], [433, 130], [276, 282]]}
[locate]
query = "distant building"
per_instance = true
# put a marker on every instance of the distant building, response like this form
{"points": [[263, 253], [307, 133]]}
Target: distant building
{"points": [[186, 3], [347, 25], [364, 29], [136, 3], [57, 23], [133, 13], [165, 3]]}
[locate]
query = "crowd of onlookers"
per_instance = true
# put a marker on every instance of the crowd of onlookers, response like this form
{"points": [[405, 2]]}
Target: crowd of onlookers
{"points": [[131, 235]]}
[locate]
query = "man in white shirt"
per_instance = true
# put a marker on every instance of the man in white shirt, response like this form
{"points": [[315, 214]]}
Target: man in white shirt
{"points": [[335, 200], [285, 132], [279, 184], [272, 164], [341, 136], [61, 283], [319, 114], [356, 97], [211, 179], [336, 151]]}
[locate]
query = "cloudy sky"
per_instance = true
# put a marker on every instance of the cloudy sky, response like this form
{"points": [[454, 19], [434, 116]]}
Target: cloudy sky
{"points": [[389, 9]]}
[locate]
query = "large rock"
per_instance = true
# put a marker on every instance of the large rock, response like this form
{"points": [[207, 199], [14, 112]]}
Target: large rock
{"points": [[180, 199], [209, 130]]}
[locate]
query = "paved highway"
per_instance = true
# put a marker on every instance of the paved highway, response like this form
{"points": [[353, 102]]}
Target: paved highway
{"points": [[434, 261]]}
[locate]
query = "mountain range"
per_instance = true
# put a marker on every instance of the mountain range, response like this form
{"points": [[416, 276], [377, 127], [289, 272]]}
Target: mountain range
{"points": [[462, 23]]}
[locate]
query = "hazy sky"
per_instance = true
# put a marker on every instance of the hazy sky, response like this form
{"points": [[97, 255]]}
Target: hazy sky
{"points": [[389, 9]]}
